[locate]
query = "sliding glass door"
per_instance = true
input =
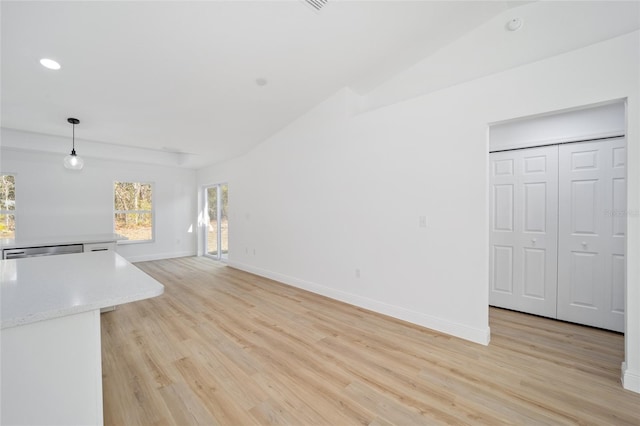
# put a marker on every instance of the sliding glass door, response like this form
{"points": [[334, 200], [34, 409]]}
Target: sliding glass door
{"points": [[217, 221]]}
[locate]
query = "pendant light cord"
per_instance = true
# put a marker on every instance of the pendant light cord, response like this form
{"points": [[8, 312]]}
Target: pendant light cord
{"points": [[72, 161]]}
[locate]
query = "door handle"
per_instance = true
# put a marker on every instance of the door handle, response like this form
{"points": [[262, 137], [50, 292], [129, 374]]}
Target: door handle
{"points": [[584, 244], [534, 241]]}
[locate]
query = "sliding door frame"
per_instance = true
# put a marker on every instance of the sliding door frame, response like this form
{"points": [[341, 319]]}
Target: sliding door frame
{"points": [[220, 253]]}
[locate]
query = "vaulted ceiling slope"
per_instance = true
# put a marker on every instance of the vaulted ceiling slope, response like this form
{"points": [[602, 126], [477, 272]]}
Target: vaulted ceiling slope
{"points": [[205, 81], [181, 76]]}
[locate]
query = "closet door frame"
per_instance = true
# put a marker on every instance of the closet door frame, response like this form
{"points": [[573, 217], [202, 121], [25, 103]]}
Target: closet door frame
{"points": [[590, 265]]}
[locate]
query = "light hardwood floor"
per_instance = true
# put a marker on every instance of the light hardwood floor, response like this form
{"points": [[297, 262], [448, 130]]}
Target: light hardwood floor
{"points": [[224, 347]]}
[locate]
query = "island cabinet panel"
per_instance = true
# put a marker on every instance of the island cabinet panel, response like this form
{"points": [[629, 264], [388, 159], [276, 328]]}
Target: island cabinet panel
{"points": [[100, 246], [51, 372]]}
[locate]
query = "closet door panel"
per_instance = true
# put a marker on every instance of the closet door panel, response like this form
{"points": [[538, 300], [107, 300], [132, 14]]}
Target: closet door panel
{"points": [[617, 292], [502, 276], [535, 207], [618, 230], [584, 206], [504, 208], [591, 233], [503, 244], [585, 279], [523, 233], [534, 273]]}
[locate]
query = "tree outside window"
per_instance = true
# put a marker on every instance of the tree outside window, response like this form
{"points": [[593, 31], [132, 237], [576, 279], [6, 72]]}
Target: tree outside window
{"points": [[7, 206], [133, 210]]}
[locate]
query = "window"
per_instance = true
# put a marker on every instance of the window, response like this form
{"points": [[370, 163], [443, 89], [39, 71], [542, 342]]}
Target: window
{"points": [[217, 222], [133, 210], [7, 206]]}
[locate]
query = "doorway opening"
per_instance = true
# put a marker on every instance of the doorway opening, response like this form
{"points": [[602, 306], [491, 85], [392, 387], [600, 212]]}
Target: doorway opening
{"points": [[557, 199], [216, 231]]}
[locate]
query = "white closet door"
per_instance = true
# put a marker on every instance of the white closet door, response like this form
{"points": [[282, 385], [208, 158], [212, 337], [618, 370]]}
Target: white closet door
{"points": [[591, 275], [523, 235]]}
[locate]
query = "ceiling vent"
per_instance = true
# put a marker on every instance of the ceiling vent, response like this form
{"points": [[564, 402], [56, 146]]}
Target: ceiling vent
{"points": [[316, 4]]}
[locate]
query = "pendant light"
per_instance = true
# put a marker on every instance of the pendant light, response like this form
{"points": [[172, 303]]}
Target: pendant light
{"points": [[72, 161]]}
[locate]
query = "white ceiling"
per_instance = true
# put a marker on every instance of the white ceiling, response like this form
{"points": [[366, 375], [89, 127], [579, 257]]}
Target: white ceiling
{"points": [[181, 76]]}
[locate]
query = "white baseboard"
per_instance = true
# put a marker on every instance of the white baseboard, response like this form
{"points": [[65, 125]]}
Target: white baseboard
{"points": [[476, 335], [158, 256], [630, 379]]}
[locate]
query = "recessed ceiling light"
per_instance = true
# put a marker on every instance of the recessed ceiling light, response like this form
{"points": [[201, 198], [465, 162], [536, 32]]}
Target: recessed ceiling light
{"points": [[514, 25], [261, 81], [50, 63]]}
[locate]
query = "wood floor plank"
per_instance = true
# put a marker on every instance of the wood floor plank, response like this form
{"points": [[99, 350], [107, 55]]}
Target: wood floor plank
{"points": [[225, 347]]}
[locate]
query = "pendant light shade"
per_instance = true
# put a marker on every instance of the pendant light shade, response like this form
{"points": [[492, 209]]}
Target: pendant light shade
{"points": [[72, 161]]}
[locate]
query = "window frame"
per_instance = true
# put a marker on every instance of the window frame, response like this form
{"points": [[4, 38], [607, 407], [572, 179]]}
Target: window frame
{"points": [[14, 212], [152, 212]]}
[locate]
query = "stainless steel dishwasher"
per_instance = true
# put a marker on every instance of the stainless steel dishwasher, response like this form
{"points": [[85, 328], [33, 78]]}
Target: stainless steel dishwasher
{"points": [[19, 253]]}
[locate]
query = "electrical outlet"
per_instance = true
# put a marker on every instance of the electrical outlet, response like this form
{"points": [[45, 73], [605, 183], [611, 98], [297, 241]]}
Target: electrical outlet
{"points": [[357, 273], [422, 221]]}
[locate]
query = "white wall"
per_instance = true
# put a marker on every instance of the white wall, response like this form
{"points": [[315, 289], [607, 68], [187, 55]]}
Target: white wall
{"points": [[54, 201], [549, 28], [333, 193], [602, 121]]}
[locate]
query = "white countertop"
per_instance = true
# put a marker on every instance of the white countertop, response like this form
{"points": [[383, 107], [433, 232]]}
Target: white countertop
{"points": [[9, 243], [41, 288]]}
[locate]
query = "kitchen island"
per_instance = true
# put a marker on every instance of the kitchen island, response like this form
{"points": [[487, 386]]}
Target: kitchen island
{"points": [[50, 333]]}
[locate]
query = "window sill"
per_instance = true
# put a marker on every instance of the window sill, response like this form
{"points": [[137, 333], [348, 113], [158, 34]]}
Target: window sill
{"points": [[128, 242]]}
